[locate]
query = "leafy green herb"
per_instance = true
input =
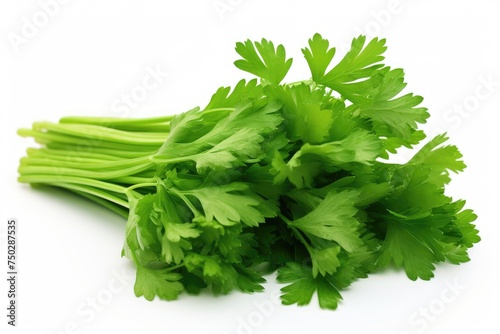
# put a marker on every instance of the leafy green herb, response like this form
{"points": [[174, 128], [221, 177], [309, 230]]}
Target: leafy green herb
{"points": [[270, 176]]}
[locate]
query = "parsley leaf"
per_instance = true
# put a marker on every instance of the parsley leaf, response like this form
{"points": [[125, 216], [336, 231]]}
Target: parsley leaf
{"points": [[413, 243], [267, 62], [333, 219], [394, 117], [318, 56], [157, 282], [303, 285], [230, 204], [354, 76]]}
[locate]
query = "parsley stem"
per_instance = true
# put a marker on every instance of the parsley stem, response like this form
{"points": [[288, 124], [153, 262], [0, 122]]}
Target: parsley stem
{"points": [[294, 230], [103, 202], [140, 185], [96, 174], [86, 164], [110, 121], [119, 154], [103, 133], [52, 179], [92, 191], [66, 155], [217, 110], [186, 201], [90, 143], [133, 180]]}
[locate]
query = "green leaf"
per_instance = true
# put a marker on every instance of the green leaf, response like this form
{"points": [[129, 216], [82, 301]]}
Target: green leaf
{"points": [[248, 280], [333, 219], [413, 192], [241, 147], [230, 204], [469, 233], [230, 141], [303, 285], [306, 119], [219, 275], [360, 146], [157, 282], [299, 171], [354, 77], [394, 116], [439, 160], [236, 246], [307, 163], [269, 63], [325, 261], [173, 252], [413, 243], [456, 254], [225, 98], [171, 218], [346, 120], [175, 232], [318, 56], [356, 63], [141, 242]]}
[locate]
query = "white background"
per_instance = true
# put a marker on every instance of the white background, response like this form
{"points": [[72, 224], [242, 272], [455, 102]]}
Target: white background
{"points": [[84, 57]]}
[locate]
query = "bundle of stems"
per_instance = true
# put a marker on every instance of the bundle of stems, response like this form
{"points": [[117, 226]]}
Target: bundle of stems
{"points": [[100, 158]]}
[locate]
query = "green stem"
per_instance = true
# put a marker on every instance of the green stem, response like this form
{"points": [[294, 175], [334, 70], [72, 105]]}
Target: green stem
{"points": [[144, 128], [110, 121], [57, 179], [105, 203], [140, 185], [217, 110], [90, 164], [100, 175], [103, 133], [300, 237], [65, 155], [133, 180], [48, 138], [185, 200], [117, 153], [59, 161], [170, 160], [92, 191], [117, 121], [295, 231]]}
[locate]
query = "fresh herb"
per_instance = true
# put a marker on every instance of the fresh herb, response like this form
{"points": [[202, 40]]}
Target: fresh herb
{"points": [[270, 176]]}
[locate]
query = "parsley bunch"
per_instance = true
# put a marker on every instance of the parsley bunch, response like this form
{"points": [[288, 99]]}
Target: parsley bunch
{"points": [[270, 176]]}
